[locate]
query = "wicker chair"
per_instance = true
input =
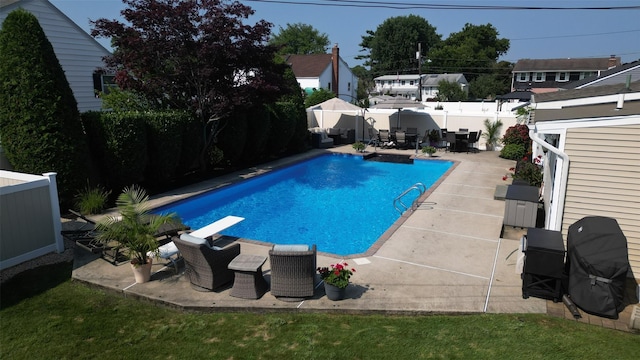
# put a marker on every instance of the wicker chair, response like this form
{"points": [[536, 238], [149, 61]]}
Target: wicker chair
{"points": [[292, 273], [206, 267]]}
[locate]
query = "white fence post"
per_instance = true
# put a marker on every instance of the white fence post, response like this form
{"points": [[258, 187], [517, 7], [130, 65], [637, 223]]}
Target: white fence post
{"points": [[55, 211]]}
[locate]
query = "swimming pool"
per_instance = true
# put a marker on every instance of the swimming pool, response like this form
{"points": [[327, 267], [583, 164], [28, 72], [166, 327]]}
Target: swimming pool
{"points": [[339, 202]]}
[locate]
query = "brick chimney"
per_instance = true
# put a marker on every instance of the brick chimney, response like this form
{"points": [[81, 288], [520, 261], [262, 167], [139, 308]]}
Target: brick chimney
{"points": [[335, 62], [613, 62]]}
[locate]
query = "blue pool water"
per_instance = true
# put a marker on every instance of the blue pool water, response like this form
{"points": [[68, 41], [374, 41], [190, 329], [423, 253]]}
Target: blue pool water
{"points": [[341, 203]]}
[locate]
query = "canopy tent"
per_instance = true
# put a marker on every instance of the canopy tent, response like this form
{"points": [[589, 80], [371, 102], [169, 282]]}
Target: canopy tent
{"points": [[338, 105]]}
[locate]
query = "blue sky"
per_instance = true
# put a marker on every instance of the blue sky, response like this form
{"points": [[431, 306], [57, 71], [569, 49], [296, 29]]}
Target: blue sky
{"points": [[534, 34]]}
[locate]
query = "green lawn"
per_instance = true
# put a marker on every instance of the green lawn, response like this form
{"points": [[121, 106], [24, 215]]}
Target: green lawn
{"points": [[45, 315]]}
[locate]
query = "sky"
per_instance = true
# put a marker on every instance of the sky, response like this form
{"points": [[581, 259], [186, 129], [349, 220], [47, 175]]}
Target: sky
{"points": [[533, 33]]}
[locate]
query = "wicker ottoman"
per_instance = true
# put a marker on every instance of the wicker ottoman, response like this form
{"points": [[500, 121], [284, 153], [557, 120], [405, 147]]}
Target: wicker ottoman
{"points": [[248, 281]]}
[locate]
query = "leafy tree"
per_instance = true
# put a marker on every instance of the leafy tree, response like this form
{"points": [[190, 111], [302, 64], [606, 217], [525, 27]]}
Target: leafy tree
{"points": [[365, 82], [450, 91], [39, 120], [300, 39], [392, 46], [196, 55], [318, 96], [472, 51]]}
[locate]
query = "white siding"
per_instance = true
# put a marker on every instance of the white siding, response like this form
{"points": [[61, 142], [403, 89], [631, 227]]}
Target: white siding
{"points": [[78, 53], [605, 183]]}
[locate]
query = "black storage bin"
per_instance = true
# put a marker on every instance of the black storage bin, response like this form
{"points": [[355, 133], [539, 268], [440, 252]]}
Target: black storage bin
{"points": [[543, 264], [597, 263]]}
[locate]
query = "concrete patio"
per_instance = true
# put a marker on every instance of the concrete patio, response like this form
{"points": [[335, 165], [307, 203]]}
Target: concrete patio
{"points": [[452, 256]]}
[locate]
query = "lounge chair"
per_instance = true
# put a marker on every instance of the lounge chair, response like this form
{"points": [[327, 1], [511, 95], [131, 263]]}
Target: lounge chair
{"points": [[401, 140], [205, 264], [383, 138], [293, 270]]}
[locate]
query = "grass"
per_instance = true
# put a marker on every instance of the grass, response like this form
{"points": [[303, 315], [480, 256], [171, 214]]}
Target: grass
{"points": [[67, 320]]}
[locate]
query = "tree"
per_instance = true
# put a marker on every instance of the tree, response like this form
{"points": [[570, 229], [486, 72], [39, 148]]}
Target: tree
{"points": [[300, 39], [450, 91], [392, 47], [195, 55], [318, 96], [472, 51], [39, 120], [365, 82]]}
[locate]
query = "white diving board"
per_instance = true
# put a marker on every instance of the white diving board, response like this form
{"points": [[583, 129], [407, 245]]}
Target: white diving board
{"points": [[216, 226]]}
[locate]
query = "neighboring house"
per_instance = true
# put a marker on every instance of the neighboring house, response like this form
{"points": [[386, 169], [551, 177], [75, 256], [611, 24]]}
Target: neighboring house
{"points": [[79, 54], [325, 71], [591, 139], [618, 75], [546, 75], [407, 85]]}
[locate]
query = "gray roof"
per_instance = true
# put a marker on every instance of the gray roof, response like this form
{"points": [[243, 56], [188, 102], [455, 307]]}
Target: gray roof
{"points": [[619, 71], [587, 111], [586, 92], [427, 79]]}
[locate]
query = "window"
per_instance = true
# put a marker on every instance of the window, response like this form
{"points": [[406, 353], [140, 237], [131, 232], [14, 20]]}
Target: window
{"points": [[402, 83], [563, 76], [523, 77], [102, 83], [411, 82], [348, 86], [539, 76], [329, 86]]}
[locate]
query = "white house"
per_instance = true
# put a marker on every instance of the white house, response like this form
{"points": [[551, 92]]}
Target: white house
{"points": [[325, 71], [407, 85], [79, 54]]}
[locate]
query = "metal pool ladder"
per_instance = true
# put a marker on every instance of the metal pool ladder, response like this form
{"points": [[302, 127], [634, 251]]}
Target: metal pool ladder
{"points": [[402, 207]]}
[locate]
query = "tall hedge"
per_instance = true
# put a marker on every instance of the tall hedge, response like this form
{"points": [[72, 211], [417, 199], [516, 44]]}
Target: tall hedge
{"points": [[40, 126]]}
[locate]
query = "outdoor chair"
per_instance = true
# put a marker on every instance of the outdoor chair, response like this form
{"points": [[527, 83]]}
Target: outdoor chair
{"points": [[206, 265], [443, 138], [473, 138], [383, 138], [293, 270], [451, 141], [401, 140]]}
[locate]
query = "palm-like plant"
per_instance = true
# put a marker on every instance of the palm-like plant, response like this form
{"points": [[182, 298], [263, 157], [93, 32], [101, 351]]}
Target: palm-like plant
{"points": [[135, 228], [491, 133]]}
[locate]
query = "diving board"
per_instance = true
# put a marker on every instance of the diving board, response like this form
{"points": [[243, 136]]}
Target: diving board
{"points": [[216, 226]]}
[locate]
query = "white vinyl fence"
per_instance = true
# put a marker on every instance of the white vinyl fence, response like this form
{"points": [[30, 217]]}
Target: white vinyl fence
{"points": [[29, 217]]}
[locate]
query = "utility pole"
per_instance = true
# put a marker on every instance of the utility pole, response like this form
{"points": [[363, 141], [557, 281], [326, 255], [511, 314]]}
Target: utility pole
{"points": [[419, 58]]}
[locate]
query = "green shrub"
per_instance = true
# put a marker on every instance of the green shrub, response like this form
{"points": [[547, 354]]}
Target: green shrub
{"points": [[92, 200], [529, 172], [512, 152], [39, 120], [164, 134]]}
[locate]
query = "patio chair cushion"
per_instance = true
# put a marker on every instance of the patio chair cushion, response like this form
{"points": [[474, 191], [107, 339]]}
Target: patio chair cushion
{"points": [[290, 247], [198, 241]]}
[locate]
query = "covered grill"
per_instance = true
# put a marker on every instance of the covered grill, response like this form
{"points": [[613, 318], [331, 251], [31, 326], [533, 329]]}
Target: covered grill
{"points": [[597, 263]]}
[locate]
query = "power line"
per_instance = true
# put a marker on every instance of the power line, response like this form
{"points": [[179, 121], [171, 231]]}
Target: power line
{"points": [[414, 6], [576, 35]]}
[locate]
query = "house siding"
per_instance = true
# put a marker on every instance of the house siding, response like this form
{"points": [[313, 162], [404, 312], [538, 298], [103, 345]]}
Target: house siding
{"points": [[78, 53], [605, 183]]}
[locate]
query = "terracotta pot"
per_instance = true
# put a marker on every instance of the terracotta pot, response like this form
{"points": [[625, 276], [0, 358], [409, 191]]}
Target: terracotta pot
{"points": [[142, 273], [334, 293]]}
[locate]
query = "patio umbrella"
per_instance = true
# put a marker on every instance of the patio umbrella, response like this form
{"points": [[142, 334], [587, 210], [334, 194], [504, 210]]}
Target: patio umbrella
{"points": [[398, 103]]}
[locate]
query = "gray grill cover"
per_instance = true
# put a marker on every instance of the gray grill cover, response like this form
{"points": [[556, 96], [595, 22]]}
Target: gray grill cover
{"points": [[597, 261]]}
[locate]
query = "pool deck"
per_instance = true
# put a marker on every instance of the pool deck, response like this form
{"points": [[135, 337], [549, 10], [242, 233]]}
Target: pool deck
{"points": [[447, 258]]}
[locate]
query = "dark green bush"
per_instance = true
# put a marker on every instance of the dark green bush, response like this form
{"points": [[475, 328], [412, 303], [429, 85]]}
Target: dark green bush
{"points": [[283, 126], [258, 124], [120, 144], [232, 138], [529, 172], [40, 125], [164, 133], [512, 152]]}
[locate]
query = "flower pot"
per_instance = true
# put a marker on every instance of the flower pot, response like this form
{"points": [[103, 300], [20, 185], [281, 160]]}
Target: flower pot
{"points": [[333, 292], [142, 273]]}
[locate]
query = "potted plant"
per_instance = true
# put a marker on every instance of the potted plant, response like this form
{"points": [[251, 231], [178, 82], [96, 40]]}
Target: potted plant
{"points": [[491, 133], [358, 146], [428, 150], [134, 230], [336, 279]]}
